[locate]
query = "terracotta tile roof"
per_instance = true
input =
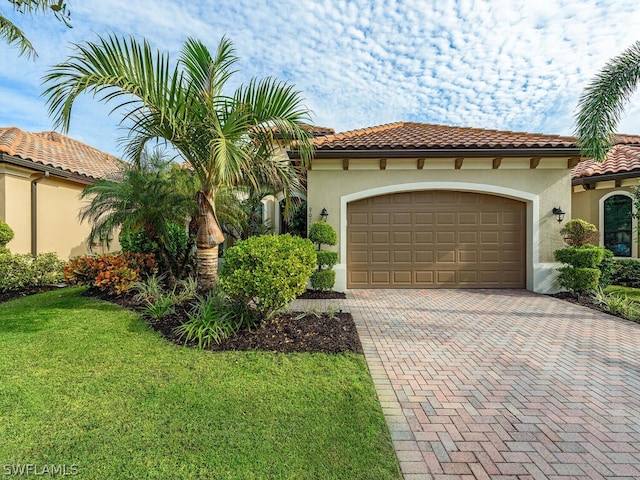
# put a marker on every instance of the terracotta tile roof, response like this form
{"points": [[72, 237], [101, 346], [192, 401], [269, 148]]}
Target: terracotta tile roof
{"points": [[407, 135], [314, 130], [621, 158], [625, 139], [60, 152]]}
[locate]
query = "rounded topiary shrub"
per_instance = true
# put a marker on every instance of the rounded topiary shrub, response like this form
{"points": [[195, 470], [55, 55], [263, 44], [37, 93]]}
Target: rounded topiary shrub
{"points": [[322, 232], [326, 258], [267, 272], [323, 279], [585, 256], [6, 233], [578, 232]]}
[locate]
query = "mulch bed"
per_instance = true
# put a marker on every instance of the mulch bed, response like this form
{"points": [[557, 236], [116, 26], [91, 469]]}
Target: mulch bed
{"points": [[319, 295], [287, 333]]}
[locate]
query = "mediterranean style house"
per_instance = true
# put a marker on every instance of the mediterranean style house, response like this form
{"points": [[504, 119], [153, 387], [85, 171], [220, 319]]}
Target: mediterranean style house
{"points": [[601, 194], [431, 206], [41, 178]]}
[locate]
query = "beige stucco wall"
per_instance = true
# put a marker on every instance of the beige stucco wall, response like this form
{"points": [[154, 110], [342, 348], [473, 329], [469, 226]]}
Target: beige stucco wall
{"points": [[59, 228], [541, 189]]}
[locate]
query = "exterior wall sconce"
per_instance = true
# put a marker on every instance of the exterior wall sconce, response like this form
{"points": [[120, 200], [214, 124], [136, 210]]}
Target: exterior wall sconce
{"points": [[324, 214], [557, 211]]}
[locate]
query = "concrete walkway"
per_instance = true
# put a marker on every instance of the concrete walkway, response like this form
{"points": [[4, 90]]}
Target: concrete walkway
{"points": [[502, 384]]}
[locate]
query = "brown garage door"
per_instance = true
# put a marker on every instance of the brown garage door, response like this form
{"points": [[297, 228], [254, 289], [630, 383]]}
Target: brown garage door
{"points": [[436, 239]]}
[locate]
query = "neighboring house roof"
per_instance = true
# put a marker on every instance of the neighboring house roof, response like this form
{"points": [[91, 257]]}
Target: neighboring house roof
{"points": [[439, 139], [623, 160], [57, 151]]}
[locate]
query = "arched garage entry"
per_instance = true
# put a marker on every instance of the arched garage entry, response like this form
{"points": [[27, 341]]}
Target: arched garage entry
{"points": [[436, 239]]}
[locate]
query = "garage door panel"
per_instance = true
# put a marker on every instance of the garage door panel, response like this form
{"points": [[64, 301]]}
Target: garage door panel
{"points": [[380, 238], [402, 256], [489, 238], [467, 256], [359, 219], [468, 277], [445, 219], [380, 257], [423, 218], [360, 257], [380, 277], [423, 238], [446, 238], [446, 278], [358, 238], [402, 277], [468, 218], [378, 218], [402, 238], [402, 218], [446, 256], [424, 277], [434, 239], [490, 218], [468, 237]]}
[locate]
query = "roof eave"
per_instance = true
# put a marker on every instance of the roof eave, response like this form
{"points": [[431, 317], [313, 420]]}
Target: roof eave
{"points": [[606, 177], [444, 152], [58, 172]]}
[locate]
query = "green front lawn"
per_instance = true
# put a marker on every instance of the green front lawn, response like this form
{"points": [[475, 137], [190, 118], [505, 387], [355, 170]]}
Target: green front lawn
{"points": [[85, 383], [632, 293]]}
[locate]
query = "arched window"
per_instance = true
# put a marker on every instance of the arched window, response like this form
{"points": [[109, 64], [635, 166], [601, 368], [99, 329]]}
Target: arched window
{"points": [[618, 225]]}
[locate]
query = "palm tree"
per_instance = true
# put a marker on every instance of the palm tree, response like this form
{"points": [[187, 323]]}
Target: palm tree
{"points": [[603, 101], [143, 198], [227, 140], [13, 35]]}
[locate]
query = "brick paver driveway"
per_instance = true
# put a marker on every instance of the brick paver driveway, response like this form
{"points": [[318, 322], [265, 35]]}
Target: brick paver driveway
{"points": [[503, 384]]}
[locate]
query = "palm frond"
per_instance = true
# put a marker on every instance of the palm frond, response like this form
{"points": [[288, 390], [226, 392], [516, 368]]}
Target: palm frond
{"points": [[120, 72], [603, 101], [11, 34]]}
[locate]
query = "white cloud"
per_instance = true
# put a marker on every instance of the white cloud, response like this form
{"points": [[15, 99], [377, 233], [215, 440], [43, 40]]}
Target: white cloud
{"points": [[517, 65]]}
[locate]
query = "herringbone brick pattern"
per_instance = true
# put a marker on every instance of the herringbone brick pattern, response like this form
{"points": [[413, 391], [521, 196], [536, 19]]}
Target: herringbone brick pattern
{"points": [[503, 384]]}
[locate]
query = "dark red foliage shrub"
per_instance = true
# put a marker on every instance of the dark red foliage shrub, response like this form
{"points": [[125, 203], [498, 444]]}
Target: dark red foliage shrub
{"points": [[111, 273]]}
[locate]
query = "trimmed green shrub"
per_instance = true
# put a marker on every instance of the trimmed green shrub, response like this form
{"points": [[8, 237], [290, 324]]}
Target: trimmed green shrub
{"points": [[266, 273], [323, 279], [6, 233], [579, 280], [322, 232], [626, 272], [585, 256], [607, 268], [20, 271], [326, 258], [583, 271], [578, 232]]}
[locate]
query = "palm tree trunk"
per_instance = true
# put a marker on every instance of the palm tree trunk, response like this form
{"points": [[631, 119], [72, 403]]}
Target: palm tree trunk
{"points": [[207, 240]]}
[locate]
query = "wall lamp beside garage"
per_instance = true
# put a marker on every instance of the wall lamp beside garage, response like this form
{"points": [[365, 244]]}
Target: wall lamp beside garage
{"points": [[557, 211], [324, 214]]}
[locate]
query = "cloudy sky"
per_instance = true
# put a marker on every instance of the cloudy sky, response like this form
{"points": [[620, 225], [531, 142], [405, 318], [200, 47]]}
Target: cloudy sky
{"points": [[501, 64]]}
